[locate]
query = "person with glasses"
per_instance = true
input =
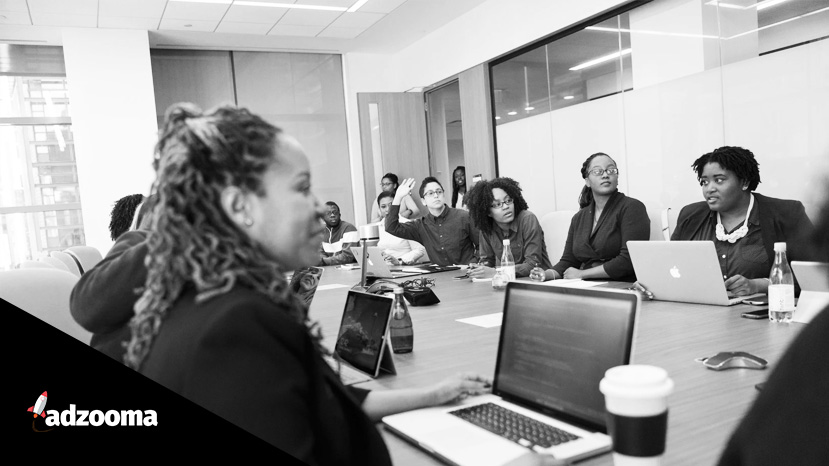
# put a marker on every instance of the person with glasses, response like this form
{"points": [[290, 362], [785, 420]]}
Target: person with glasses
{"points": [[743, 225], [498, 209], [216, 320], [445, 232], [408, 207], [596, 246]]}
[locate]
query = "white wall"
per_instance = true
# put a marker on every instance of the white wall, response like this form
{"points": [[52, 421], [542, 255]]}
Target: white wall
{"points": [[113, 120]]}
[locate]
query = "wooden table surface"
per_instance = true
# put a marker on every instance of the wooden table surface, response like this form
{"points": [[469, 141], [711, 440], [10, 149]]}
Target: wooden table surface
{"points": [[704, 409]]}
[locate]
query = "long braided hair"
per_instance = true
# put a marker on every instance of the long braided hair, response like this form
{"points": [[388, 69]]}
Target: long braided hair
{"points": [[194, 242]]}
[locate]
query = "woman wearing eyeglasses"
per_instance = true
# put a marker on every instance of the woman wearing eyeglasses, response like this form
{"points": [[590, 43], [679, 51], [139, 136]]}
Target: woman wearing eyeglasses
{"points": [[596, 244], [743, 225], [498, 209]]}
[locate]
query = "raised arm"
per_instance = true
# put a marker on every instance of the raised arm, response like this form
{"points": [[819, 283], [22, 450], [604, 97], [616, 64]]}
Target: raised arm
{"points": [[409, 230]]}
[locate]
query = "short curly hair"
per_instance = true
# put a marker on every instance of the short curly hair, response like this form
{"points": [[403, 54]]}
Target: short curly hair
{"points": [[123, 212], [736, 159], [479, 200]]}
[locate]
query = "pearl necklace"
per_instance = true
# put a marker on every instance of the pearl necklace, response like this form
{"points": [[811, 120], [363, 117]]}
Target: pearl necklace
{"points": [[739, 232]]}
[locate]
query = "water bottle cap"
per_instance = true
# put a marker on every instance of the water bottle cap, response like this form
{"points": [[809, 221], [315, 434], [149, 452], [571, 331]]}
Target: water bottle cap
{"points": [[398, 290], [506, 242], [779, 247]]}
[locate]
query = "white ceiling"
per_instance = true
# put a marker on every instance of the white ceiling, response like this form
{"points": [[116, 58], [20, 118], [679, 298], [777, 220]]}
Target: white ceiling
{"points": [[379, 26]]}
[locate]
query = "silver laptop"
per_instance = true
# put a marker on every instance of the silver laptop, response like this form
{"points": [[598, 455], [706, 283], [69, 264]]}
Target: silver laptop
{"points": [[555, 346], [362, 350], [377, 266], [684, 271], [813, 278]]}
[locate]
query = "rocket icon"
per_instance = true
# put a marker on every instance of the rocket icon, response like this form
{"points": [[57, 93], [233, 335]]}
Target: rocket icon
{"points": [[39, 405]]}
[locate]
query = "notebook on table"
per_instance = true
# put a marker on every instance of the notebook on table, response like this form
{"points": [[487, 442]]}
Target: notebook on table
{"points": [[554, 348], [362, 350], [378, 268], [813, 278], [683, 271]]}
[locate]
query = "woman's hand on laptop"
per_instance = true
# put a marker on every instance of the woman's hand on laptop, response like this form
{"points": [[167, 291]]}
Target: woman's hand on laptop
{"points": [[458, 387], [739, 285]]}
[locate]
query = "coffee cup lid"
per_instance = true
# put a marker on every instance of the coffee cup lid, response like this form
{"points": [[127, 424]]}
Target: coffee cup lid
{"points": [[636, 381]]}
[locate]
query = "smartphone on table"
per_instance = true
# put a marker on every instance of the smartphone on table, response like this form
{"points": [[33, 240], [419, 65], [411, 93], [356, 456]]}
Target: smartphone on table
{"points": [[758, 314]]}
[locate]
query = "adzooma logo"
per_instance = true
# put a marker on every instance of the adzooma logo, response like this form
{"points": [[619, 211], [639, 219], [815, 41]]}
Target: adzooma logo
{"points": [[82, 417]]}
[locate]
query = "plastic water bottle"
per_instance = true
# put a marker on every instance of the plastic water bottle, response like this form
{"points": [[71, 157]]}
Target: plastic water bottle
{"points": [[781, 287], [499, 280], [402, 335], [508, 262]]}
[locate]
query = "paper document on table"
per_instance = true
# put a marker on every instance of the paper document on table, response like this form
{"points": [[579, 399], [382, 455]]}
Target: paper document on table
{"points": [[331, 287], [573, 283], [485, 321]]}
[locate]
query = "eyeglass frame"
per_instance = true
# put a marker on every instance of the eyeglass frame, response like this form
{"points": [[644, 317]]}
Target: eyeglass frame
{"points": [[602, 171], [435, 193], [500, 204]]}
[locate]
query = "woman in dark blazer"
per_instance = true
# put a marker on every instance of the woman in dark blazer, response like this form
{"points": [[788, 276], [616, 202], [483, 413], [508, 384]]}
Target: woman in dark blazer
{"points": [[743, 225], [596, 244], [217, 321]]}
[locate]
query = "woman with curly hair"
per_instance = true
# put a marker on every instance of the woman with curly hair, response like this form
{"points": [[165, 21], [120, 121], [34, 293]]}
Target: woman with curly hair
{"points": [[596, 245], [498, 209], [217, 321], [743, 225]]}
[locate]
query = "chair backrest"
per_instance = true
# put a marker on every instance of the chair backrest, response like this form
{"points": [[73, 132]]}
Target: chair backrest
{"points": [[556, 225], [657, 232], [43, 293], [668, 222], [58, 264], [87, 256], [34, 265], [68, 261]]}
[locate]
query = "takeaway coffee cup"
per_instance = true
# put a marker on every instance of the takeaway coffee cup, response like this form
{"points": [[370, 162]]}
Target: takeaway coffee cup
{"points": [[636, 397]]}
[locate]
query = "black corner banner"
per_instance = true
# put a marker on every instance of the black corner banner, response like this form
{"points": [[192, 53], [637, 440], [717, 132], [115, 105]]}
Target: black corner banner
{"points": [[91, 400]]}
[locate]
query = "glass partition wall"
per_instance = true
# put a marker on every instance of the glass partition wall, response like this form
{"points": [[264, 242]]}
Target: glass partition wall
{"points": [[659, 85]]}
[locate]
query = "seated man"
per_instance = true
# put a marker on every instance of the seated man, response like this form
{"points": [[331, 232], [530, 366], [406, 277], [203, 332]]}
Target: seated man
{"points": [[336, 249], [396, 250], [447, 233]]}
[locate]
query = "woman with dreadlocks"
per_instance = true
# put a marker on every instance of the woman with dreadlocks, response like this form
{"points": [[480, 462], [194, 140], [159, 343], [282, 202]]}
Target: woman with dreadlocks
{"points": [[217, 322], [743, 225]]}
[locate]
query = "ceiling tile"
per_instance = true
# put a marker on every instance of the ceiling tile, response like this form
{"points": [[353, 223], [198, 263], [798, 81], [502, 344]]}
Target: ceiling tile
{"points": [[132, 8], [15, 17], [64, 20], [254, 14], [341, 33], [121, 22], [339, 3], [299, 31], [380, 6], [244, 28], [357, 20], [70, 7], [195, 25], [195, 11], [309, 18], [13, 5]]}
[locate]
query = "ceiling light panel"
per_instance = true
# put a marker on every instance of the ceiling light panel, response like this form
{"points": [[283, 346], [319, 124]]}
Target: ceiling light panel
{"points": [[292, 6], [132, 8], [381, 6]]}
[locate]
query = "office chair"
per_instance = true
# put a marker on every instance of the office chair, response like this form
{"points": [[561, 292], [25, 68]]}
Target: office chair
{"points": [[34, 265], [555, 226], [58, 264], [87, 256], [68, 261], [668, 223], [43, 293]]}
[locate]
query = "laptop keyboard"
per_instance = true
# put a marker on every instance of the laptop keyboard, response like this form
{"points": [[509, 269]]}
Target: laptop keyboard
{"points": [[518, 428]]}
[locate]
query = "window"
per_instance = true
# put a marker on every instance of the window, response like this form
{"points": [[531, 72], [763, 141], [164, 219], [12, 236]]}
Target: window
{"points": [[40, 205]]}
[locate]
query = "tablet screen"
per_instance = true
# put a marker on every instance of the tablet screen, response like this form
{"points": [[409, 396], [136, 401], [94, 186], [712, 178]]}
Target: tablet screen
{"points": [[363, 329]]}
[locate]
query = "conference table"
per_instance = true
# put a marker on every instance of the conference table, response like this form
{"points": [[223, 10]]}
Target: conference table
{"points": [[704, 409]]}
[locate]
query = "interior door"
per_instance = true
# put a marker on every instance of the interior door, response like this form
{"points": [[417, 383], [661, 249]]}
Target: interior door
{"points": [[393, 139]]}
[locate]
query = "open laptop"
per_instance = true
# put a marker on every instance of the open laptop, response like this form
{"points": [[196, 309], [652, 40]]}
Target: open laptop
{"points": [[813, 278], [684, 271], [377, 266], [361, 342], [554, 348]]}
